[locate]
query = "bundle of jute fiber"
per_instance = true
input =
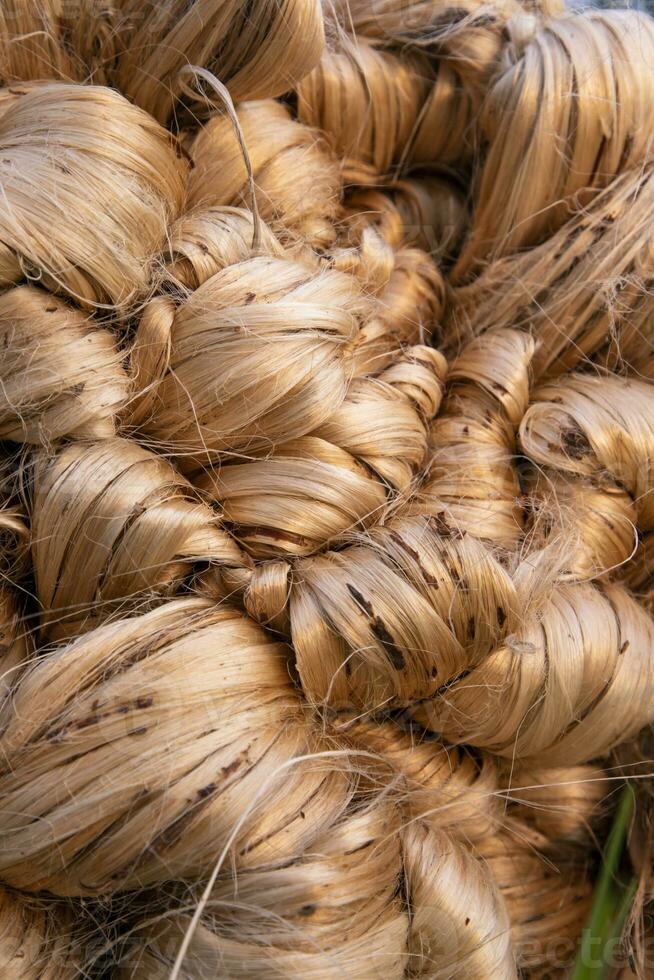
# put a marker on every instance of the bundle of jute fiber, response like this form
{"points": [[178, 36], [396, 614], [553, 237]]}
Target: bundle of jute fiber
{"points": [[591, 448], [96, 245], [257, 50], [337, 910], [373, 427], [209, 238], [419, 619], [116, 525], [592, 58], [325, 930], [564, 804], [72, 41], [413, 96], [296, 178], [141, 47], [407, 285], [584, 293], [385, 95], [37, 940], [307, 452], [471, 35], [273, 330], [189, 728], [472, 480], [547, 900], [312, 491], [442, 786], [325, 471], [427, 210], [62, 374]]}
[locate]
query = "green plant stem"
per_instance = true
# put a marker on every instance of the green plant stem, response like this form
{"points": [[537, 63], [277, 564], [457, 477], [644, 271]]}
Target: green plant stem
{"points": [[611, 903]]}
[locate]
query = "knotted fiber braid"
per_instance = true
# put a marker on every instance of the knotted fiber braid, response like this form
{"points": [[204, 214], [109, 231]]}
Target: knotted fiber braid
{"points": [[312, 433], [185, 712]]}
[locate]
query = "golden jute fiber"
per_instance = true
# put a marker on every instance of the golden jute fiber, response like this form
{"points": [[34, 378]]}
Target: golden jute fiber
{"points": [[326, 487]]}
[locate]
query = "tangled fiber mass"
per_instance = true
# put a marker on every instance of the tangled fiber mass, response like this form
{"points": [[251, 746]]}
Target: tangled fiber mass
{"points": [[326, 453]]}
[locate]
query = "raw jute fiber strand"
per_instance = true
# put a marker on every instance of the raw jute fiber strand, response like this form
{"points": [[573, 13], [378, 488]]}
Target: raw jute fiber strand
{"points": [[326, 487]]}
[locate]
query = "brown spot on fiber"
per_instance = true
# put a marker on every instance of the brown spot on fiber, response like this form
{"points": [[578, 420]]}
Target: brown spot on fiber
{"points": [[232, 767], [627, 149], [249, 298], [359, 599], [624, 647], [272, 533], [58, 734], [378, 629], [395, 655], [87, 722], [139, 731], [307, 910], [455, 575], [180, 151], [97, 716], [445, 689], [172, 833], [439, 522], [405, 546], [501, 616], [574, 442]]}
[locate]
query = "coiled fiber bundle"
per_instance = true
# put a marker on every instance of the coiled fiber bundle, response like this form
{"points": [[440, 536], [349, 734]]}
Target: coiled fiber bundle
{"points": [[326, 481]]}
